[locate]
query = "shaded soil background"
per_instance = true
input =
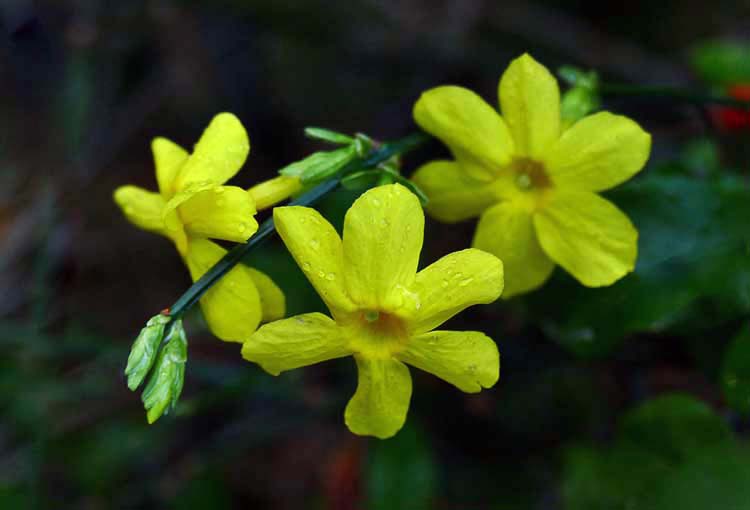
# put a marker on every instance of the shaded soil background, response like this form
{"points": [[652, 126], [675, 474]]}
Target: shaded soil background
{"points": [[85, 86]]}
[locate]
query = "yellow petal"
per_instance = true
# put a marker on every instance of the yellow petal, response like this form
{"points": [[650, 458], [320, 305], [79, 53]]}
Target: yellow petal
{"points": [[588, 236], [141, 207], [272, 299], [453, 283], [317, 249], [507, 231], [168, 159], [295, 342], [530, 102], [472, 129], [232, 307], [273, 191], [468, 360], [222, 212], [598, 152], [383, 232], [218, 155], [454, 196], [379, 406]]}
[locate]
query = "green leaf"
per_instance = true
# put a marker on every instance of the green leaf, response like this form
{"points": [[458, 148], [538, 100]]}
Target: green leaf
{"points": [[674, 427], [719, 477], [144, 350], [401, 472], [735, 372], [327, 135], [164, 388], [319, 165], [669, 450], [619, 479], [722, 62]]}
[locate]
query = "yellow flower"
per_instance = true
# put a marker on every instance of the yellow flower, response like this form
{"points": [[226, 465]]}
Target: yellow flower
{"points": [[383, 310], [533, 183], [192, 206]]}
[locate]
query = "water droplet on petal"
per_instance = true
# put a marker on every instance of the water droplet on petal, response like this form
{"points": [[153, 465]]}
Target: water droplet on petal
{"points": [[331, 276], [314, 244], [306, 266], [241, 227]]}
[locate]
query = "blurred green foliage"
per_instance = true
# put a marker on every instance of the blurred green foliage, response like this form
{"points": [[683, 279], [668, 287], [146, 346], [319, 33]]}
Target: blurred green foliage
{"points": [[670, 452]]}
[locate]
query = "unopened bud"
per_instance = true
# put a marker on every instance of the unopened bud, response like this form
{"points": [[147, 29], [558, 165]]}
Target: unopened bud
{"points": [[144, 350], [164, 389]]}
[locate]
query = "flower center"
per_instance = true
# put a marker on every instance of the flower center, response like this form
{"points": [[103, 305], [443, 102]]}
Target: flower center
{"points": [[377, 334], [529, 174]]}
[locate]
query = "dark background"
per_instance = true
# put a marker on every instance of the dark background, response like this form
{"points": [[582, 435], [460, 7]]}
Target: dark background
{"points": [[85, 86]]}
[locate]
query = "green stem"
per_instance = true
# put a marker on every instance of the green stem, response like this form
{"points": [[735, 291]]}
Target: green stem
{"points": [[672, 93], [236, 254]]}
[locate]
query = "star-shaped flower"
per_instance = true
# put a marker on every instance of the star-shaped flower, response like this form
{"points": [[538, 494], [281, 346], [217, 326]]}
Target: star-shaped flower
{"points": [[192, 206], [533, 183], [383, 310]]}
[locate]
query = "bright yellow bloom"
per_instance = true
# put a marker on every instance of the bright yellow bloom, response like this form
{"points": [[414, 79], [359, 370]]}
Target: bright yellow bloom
{"points": [[533, 183], [383, 310], [192, 206]]}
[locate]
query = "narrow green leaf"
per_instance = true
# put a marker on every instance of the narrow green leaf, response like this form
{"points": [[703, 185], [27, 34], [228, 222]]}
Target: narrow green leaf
{"points": [[361, 180], [327, 135], [320, 165]]}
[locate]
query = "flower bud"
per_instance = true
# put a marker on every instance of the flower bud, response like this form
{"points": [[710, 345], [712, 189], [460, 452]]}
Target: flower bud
{"points": [[164, 388], [144, 350]]}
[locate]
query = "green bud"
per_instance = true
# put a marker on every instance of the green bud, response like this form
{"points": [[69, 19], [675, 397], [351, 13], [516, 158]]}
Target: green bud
{"points": [[578, 102], [144, 350], [327, 135], [320, 165], [164, 388], [578, 78]]}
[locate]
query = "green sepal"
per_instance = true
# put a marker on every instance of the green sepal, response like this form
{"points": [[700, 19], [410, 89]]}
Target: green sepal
{"points": [[578, 102], [320, 165], [144, 350], [393, 175], [164, 387], [327, 135]]}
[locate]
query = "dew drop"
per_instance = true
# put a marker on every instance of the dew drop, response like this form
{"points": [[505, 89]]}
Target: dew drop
{"points": [[219, 190], [219, 203], [306, 266], [314, 244], [331, 276], [444, 283], [321, 274], [376, 202], [241, 228], [464, 283]]}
